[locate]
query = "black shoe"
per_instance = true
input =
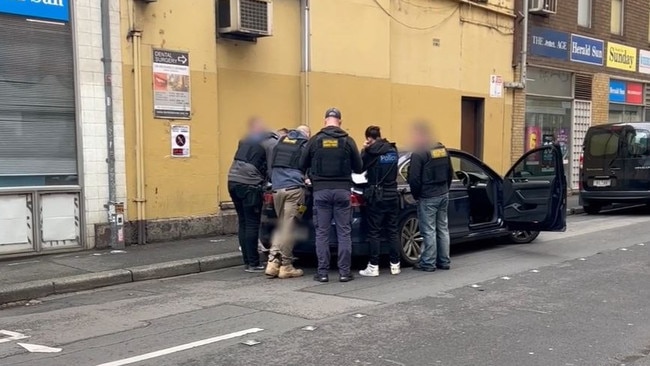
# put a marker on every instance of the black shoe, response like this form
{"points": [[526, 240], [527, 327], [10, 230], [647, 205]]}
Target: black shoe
{"points": [[418, 267], [444, 267], [321, 278], [346, 278], [254, 269]]}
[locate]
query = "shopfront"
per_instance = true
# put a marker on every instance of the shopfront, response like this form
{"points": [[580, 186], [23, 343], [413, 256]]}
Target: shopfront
{"points": [[40, 205], [626, 101]]}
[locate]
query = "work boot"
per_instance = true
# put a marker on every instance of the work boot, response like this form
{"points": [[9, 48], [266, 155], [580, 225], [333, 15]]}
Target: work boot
{"points": [[273, 267], [289, 271]]}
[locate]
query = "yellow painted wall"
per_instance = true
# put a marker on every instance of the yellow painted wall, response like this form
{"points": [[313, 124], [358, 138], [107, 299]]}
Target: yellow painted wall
{"points": [[378, 69]]}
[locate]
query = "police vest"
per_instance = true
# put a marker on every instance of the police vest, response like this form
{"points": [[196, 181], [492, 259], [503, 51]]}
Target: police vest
{"points": [[286, 153], [384, 170], [253, 153], [436, 170], [331, 158]]}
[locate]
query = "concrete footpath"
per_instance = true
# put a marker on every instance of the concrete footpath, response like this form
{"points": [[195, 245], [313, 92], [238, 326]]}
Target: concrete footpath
{"points": [[40, 276]]}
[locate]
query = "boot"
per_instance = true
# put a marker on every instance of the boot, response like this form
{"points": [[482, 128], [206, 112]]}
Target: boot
{"points": [[273, 267], [289, 271]]}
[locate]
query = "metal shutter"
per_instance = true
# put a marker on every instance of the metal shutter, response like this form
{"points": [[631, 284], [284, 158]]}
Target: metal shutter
{"points": [[582, 87], [37, 101]]}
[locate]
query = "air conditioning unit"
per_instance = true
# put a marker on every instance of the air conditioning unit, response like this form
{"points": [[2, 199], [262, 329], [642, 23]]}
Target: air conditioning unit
{"points": [[543, 7], [246, 19]]}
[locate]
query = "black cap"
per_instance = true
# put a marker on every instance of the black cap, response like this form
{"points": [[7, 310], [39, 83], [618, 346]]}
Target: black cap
{"points": [[333, 112]]}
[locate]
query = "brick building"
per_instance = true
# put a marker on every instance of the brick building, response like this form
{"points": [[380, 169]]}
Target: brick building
{"points": [[588, 63]]}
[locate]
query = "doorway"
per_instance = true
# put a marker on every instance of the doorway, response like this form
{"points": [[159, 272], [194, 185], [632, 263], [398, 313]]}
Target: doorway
{"points": [[471, 132]]}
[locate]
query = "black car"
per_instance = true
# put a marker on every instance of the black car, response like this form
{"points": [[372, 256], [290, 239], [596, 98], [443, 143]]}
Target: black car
{"points": [[615, 165], [482, 204]]}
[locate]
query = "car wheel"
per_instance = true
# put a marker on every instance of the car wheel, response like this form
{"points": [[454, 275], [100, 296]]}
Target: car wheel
{"points": [[592, 209], [523, 236], [410, 239]]}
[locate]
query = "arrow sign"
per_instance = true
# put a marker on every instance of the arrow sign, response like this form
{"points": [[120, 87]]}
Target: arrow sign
{"points": [[35, 348], [182, 59], [11, 336]]}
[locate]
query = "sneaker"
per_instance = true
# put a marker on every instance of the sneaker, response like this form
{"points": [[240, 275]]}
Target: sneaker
{"points": [[444, 267], [261, 248], [273, 268], [289, 271], [370, 271], [395, 268], [254, 269]]}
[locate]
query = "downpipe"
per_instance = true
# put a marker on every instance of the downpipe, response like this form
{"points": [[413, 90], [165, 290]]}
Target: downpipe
{"points": [[306, 58], [115, 209], [523, 66]]}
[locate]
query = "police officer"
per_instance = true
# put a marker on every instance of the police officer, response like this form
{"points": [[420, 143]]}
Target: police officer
{"points": [[429, 176], [380, 158], [246, 178], [332, 156], [288, 199]]}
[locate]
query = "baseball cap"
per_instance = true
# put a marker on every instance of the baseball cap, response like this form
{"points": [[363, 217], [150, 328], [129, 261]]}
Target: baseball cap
{"points": [[333, 112]]}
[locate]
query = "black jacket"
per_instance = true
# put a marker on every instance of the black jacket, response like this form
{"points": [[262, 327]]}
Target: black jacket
{"points": [[423, 187], [384, 172], [308, 161]]}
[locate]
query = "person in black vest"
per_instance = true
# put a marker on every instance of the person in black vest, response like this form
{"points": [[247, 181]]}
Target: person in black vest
{"points": [[429, 175], [332, 156], [246, 177], [288, 183], [380, 159]]}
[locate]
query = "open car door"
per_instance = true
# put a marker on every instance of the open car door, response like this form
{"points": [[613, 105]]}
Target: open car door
{"points": [[534, 191]]}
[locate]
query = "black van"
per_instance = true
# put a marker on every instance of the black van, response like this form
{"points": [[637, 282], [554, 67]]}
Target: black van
{"points": [[615, 165]]}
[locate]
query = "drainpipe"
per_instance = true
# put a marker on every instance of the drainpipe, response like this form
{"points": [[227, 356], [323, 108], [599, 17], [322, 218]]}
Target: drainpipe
{"points": [[306, 57], [136, 36], [523, 67], [115, 209]]}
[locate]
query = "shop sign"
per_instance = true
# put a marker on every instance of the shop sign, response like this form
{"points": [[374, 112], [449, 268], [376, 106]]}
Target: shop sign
{"points": [[634, 93], [587, 50], [617, 91], [44, 9], [549, 43], [644, 62], [621, 57], [171, 84]]}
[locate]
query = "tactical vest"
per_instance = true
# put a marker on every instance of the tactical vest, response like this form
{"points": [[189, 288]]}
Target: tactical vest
{"points": [[436, 169], [286, 153], [384, 170], [331, 158], [253, 153]]}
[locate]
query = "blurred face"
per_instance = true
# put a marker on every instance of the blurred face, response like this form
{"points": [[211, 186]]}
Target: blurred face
{"points": [[256, 126]]}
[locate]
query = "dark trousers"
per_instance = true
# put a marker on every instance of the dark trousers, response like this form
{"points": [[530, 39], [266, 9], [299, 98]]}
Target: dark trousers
{"points": [[333, 204], [248, 204], [381, 218]]}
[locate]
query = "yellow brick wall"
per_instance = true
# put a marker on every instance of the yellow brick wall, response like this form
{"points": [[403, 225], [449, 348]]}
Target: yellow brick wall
{"points": [[518, 122], [600, 99]]}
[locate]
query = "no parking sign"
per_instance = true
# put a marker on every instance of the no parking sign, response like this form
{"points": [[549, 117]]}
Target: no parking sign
{"points": [[180, 137]]}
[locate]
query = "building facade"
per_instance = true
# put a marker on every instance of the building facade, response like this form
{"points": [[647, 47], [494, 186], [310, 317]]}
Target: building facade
{"points": [[588, 63], [198, 75], [53, 157]]}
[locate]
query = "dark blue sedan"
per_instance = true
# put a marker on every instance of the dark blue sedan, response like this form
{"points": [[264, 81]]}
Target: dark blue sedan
{"points": [[482, 204]]}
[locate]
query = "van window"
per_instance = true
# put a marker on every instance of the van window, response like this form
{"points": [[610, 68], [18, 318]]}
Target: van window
{"points": [[637, 143], [603, 143]]}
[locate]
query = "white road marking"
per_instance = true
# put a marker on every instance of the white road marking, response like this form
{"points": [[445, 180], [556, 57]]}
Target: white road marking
{"points": [[11, 336], [21, 263], [37, 348], [183, 347]]}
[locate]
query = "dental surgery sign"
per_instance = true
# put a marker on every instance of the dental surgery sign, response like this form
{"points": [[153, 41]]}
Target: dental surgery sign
{"points": [[43, 9], [621, 57]]}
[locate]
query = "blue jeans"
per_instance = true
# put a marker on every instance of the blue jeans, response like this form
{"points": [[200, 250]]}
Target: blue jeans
{"points": [[434, 227]]}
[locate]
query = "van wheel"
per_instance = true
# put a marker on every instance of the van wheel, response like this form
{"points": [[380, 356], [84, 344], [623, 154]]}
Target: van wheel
{"points": [[410, 239], [592, 209], [523, 236]]}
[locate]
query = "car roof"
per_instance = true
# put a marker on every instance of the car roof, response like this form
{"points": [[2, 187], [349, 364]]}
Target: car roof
{"points": [[639, 124]]}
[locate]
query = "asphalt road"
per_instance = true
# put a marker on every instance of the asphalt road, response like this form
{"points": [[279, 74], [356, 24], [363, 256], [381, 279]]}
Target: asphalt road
{"points": [[573, 298]]}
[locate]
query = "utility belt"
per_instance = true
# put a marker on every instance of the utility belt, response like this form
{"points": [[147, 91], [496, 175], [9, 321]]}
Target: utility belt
{"points": [[293, 188]]}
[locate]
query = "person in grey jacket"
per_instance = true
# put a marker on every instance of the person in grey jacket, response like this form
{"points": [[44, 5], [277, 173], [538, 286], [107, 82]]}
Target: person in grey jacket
{"points": [[248, 173]]}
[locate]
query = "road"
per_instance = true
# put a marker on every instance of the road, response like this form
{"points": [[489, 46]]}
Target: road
{"points": [[573, 298]]}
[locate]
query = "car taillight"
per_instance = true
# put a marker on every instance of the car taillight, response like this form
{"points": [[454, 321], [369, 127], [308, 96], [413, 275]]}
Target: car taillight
{"points": [[356, 200], [582, 158], [268, 198]]}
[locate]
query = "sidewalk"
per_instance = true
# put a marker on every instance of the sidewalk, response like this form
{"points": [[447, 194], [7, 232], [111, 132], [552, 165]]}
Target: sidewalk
{"points": [[25, 279]]}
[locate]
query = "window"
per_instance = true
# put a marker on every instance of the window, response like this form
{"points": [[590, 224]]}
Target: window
{"points": [[538, 164], [637, 143], [584, 13], [602, 144], [616, 21]]}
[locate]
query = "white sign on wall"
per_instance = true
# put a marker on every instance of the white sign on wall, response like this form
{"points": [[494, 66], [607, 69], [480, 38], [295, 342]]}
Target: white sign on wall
{"points": [[644, 62], [496, 86], [180, 138]]}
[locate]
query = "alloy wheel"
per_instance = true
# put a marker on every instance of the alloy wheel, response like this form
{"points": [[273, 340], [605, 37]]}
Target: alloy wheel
{"points": [[411, 239]]}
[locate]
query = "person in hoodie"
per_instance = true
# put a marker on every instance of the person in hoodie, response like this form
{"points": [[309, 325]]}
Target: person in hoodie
{"points": [[246, 178], [288, 184], [380, 159], [331, 157]]}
